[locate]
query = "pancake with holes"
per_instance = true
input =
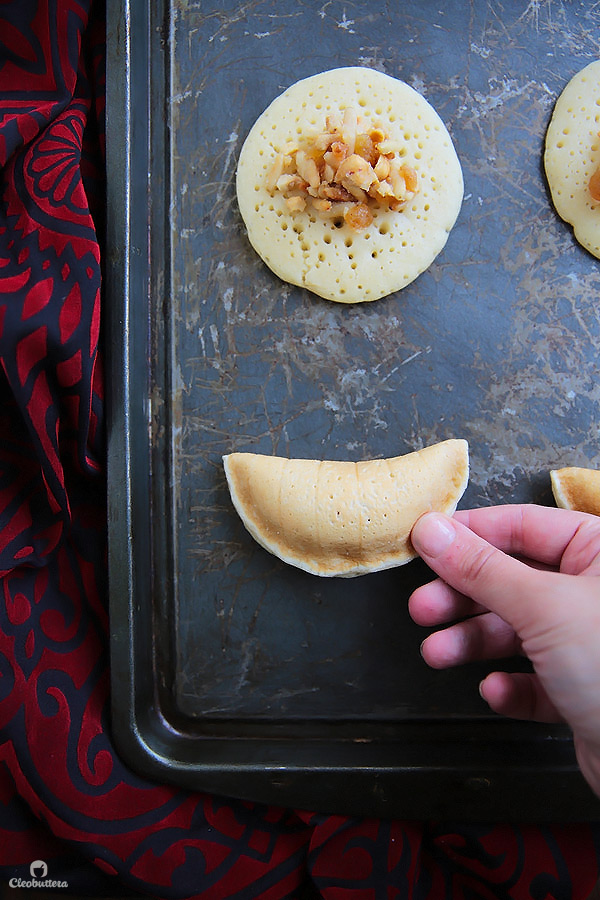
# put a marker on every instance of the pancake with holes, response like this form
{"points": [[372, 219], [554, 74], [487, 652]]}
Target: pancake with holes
{"points": [[343, 518], [349, 184], [572, 156]]}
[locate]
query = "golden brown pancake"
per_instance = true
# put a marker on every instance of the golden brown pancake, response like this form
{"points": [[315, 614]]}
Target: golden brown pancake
{"points": [[323, 253], [577, 488], [344, 518]]}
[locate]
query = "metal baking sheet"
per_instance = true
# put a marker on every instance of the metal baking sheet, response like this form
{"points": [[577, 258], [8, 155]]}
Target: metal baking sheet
{"points": [[233, 672]]}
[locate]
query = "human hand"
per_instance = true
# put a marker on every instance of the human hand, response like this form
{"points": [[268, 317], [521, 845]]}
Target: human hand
{"points": [[520, 578]]}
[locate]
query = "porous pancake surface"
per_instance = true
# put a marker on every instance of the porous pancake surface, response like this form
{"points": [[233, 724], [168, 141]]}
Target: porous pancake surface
{"points": [[322, 254], [572, 155], [344, 518]]}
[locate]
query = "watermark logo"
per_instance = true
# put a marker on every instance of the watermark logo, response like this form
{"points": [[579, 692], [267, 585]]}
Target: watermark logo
{"points": [[38, 871]]}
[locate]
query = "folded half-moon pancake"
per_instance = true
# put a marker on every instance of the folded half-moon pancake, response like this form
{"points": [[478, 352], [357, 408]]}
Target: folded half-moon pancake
{"points": [[344, 518], [577, 488]]}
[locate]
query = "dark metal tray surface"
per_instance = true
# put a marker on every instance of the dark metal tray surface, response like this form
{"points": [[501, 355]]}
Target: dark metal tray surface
{"points": [[232, 672]]}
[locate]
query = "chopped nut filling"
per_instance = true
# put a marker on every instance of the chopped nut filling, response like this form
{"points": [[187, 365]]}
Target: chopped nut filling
{"points": [[594, 185], [344, 172]]}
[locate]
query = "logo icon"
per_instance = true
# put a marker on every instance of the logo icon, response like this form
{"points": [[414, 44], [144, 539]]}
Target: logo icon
{"points": [[38, 869]]}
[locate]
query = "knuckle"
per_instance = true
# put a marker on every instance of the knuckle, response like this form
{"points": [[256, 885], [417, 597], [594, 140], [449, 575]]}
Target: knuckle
{"points": [[583, 551], [476, 565]]}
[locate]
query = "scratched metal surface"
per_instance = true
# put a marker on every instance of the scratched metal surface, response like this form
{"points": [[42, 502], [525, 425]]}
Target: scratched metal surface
{"points": [[498, 342]]}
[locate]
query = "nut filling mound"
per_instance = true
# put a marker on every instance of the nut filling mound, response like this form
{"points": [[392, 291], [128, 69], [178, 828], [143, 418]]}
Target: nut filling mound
{"points": [[343, 171], [594, 185], [349, 184]]}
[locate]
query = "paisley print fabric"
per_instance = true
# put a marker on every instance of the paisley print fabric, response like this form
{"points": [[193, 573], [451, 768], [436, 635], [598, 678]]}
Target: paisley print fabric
{"points": [[70, 810]]}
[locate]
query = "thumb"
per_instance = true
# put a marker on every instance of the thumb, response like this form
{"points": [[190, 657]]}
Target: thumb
{"points": [[477, 569]]}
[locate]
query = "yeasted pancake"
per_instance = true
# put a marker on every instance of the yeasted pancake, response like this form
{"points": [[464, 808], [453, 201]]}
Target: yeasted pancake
{"points": [[572, 156], [344, 518], [357, 140], [577, 488]]}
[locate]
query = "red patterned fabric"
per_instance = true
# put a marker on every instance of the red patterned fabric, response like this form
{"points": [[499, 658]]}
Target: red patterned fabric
{"points": [[65, 797]]}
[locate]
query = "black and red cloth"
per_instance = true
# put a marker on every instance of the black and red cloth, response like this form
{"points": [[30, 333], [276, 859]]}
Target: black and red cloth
{"points": [[66, 799]]}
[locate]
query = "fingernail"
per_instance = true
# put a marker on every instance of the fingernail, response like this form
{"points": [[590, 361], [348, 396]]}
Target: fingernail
{"points": [[433, 534]]}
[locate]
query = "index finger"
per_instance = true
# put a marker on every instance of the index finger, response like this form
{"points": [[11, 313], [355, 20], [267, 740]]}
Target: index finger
{"points": [[541, 533]]}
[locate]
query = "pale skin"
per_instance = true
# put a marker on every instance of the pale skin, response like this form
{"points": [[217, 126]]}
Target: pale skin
{"points": [[520, 579]]}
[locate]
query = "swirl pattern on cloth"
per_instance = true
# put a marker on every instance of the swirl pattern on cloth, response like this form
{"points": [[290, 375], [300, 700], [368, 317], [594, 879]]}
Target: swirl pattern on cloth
{"points": [[65, 796]]}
